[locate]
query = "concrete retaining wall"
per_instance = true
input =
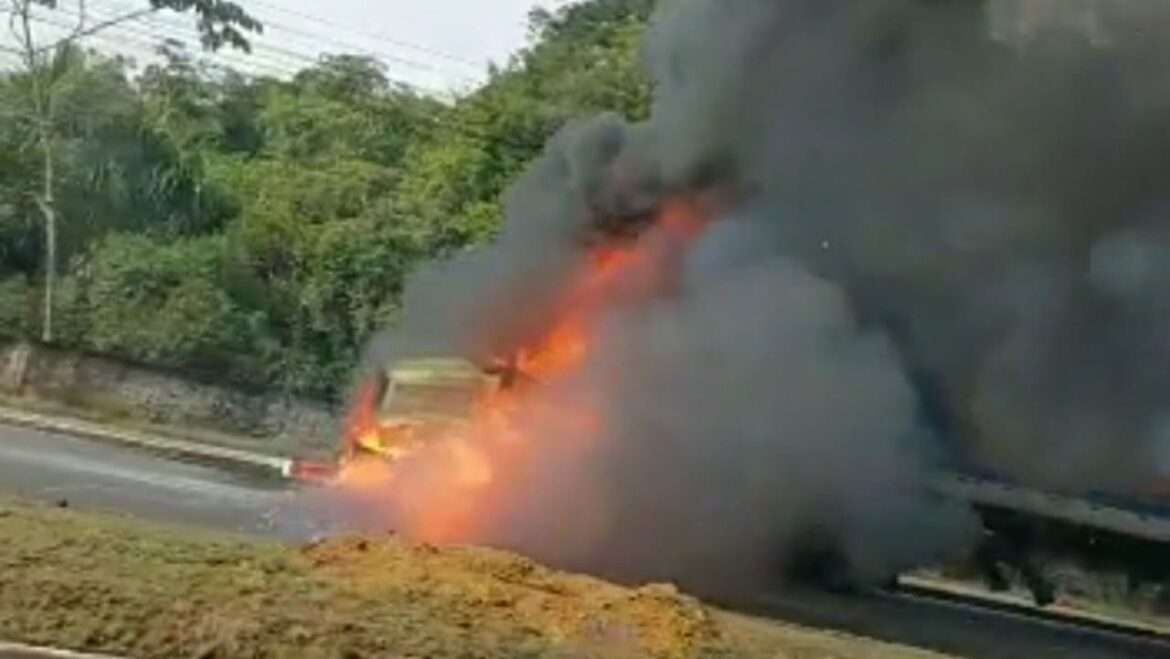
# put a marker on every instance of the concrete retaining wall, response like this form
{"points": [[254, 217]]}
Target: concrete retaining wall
{"points": [[113, 387]]}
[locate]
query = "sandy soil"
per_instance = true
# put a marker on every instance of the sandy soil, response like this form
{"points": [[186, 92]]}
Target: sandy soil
{"points": [[107, 584]]}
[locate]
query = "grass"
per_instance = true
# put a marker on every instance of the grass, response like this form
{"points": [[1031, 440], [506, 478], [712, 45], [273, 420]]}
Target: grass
{"points": [[107, 584]]}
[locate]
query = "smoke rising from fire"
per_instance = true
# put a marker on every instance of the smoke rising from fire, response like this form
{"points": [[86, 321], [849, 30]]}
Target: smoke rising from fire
{"points": [[934, 225], [745, 416]]}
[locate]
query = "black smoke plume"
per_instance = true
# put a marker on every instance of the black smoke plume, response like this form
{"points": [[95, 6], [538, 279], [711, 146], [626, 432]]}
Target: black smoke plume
{"points": [[941, 237]]}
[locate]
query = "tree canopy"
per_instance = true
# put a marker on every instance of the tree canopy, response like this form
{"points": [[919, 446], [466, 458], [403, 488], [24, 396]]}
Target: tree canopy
{"points": [[262, 228]]}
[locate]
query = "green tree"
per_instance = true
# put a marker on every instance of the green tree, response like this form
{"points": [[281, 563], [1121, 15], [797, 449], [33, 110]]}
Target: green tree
{"points": [[163, 303], [345, 107], [282, 245], [46, 66], [183, 117], [317, 245], [262, 227], [583, 60]]}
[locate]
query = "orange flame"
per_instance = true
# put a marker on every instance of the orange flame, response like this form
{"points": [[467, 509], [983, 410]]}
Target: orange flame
{"points": [[452, 490], [361, 417]]}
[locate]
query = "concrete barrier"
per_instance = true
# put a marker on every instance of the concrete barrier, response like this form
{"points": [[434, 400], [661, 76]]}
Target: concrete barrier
{"points": [[194, 451]]}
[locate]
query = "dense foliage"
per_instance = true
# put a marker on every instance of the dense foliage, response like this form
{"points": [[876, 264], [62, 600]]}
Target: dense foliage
{"points": [[262, 228]]}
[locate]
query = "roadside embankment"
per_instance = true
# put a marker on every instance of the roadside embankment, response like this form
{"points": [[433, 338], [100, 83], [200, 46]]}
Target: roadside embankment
{"points": [[115, 393], [113, 586]]}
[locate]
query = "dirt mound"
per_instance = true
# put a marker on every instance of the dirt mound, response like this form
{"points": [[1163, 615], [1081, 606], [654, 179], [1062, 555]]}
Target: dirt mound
{"points": [[477, 589], [106, 584], [114, 586]]}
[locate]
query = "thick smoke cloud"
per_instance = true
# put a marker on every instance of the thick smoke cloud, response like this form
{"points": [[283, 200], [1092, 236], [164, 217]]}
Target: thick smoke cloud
{"points": [[941, 234], [483, 302], [985, 180], [743, 419]]}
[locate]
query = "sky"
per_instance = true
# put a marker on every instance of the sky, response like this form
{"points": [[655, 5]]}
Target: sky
{"points": [[439, 45]]}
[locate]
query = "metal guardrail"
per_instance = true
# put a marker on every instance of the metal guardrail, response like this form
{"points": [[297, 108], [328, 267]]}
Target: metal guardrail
{"points": [[938, 589], [1084, 511]]}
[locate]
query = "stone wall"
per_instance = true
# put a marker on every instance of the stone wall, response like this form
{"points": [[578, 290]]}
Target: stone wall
{"points": [[112, 387]]}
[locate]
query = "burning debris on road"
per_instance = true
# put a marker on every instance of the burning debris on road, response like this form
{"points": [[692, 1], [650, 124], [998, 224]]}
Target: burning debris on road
{"points": [[852, 239]]}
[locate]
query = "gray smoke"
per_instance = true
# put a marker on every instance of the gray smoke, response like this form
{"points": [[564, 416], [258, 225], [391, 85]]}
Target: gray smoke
{"points": [[482, 302], [940, 235], [985, 180], [746, 417]]}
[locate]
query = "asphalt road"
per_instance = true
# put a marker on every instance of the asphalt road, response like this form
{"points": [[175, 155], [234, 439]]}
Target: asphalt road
{"points": [[97, 476], [953, 628]]}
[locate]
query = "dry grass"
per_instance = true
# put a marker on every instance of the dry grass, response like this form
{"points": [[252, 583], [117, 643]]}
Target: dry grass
{"points": [[111, 585]]}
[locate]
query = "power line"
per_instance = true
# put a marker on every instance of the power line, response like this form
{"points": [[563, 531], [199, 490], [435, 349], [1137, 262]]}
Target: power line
{"points": [[146, 37], [369, 35], [415, 64], [283, 55], [190, 34], [265, 57], [103, 25], [317, 39], [463, 129], [126, 32], [126, 36]]}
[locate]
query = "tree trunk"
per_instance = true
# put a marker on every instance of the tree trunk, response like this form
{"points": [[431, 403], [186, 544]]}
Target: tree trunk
{"points": [[49, 214], [41, 93]]}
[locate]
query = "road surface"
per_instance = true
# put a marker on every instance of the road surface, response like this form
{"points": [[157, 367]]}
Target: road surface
{"points": [[953, 628], [97, 476]]}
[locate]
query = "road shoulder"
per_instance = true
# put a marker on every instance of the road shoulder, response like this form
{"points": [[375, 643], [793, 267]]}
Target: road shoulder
{"points": [[153, 440]]}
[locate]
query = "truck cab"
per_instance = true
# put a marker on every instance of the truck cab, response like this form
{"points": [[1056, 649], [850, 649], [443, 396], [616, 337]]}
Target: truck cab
{"points": [[416, 401]]}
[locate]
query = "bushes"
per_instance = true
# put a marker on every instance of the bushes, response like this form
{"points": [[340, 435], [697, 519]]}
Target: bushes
{"points": [[163, 303], [17, 306]]}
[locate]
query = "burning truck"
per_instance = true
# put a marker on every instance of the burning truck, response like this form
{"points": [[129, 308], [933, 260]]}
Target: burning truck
{"points": [[408, 404], [877, 283], [470, 419]]}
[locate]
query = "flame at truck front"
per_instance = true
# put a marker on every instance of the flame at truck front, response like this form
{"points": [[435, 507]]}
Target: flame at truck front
{"points": [[446, 444]]}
